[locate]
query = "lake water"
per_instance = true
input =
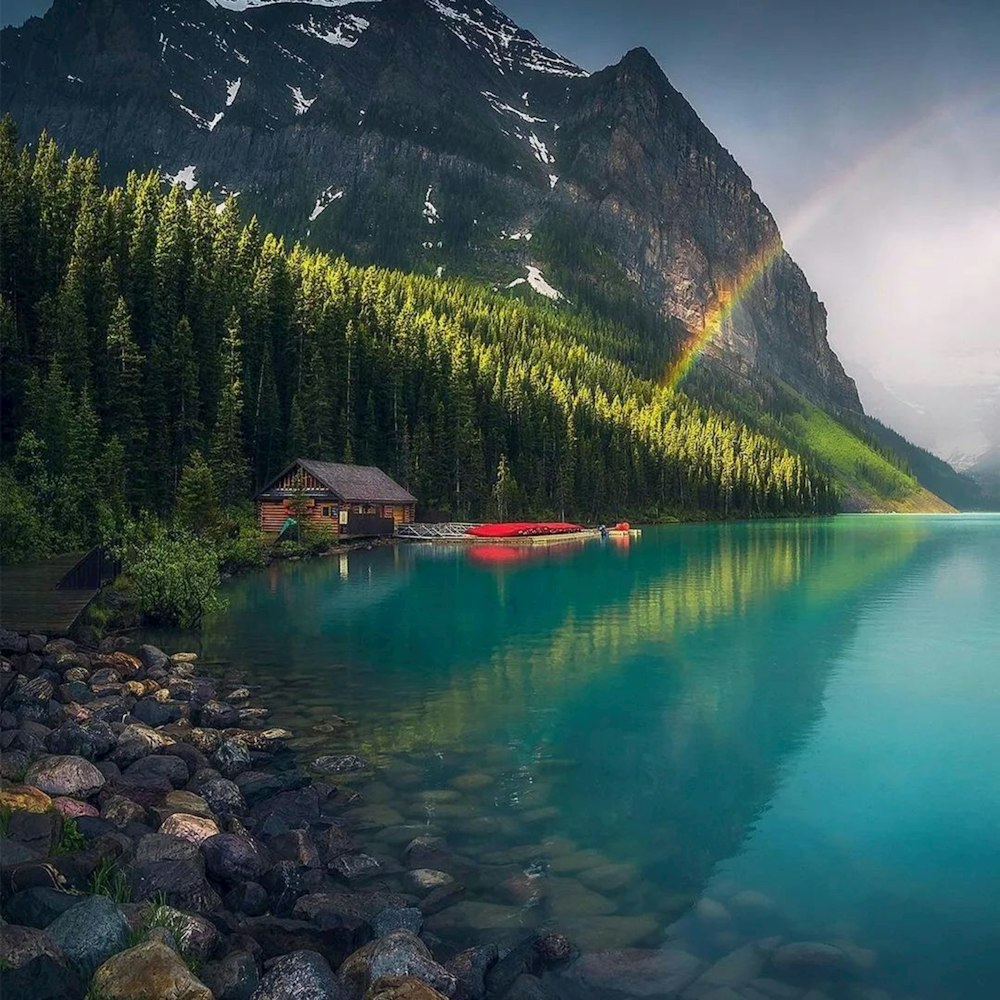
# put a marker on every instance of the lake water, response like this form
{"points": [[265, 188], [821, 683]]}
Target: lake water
{"points": [[698, 739]]}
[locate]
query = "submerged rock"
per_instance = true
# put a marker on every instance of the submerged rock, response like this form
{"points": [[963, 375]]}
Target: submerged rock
{"points": [[637, 972]]}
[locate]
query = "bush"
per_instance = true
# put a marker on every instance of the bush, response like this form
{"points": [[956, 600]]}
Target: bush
{"points": [[173, 574], [241, 543]]}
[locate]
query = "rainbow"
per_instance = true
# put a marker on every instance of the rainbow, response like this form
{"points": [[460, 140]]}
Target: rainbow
{"points": [[815, 208]]}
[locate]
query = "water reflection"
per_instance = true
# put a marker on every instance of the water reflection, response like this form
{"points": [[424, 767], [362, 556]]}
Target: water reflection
{"points": [[617, 722]]}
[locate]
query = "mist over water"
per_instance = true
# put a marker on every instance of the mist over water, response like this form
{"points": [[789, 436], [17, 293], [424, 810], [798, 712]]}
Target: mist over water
{"points": [[795, 720]]}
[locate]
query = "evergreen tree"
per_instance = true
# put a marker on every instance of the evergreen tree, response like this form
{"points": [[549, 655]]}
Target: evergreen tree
{"points": [[228, 452], [196, 505]]}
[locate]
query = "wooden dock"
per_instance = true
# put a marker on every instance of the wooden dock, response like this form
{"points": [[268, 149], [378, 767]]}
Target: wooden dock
{"points": [[31, 602]]}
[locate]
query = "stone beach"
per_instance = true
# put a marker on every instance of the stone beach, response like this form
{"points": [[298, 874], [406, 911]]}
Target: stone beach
{"points": [[162, 841]]}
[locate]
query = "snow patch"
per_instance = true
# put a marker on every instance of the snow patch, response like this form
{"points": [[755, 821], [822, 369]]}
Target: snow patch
{"points": [[346, 33], [538, 283], [248, 4], [505, 109], [301, 103], [74, 79], [184, 176], [430, 212], [205, 123], [323, 202], [553, 181], [515, 236], [540, 150], [232, 89]]}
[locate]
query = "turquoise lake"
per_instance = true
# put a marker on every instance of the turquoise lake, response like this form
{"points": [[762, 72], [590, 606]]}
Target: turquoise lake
{"points": [[708, 736]]}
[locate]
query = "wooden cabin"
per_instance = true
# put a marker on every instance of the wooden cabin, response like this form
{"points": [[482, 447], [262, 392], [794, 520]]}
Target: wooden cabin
{"points": [[349, 499]]}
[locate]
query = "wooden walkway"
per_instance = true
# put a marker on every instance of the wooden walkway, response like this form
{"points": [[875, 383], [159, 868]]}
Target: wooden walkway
{"points": [[29, 601]]}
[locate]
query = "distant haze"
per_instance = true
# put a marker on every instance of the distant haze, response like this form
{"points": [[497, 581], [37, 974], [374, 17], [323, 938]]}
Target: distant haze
{"points": [[872, 132]]}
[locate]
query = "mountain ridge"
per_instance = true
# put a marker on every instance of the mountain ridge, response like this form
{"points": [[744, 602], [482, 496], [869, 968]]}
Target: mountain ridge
{"points": [[292, 103]]}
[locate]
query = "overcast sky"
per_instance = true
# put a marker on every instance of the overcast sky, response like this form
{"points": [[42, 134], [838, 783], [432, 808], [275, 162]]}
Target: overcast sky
{"points": [[871, 128]]}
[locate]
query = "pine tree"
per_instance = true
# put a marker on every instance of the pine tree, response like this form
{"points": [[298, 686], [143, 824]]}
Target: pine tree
{"points": [[196, 504], [228, 451]]}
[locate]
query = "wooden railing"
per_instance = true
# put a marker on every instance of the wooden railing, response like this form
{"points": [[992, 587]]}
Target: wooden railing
{"points": [[97, 568], [368, 524]]}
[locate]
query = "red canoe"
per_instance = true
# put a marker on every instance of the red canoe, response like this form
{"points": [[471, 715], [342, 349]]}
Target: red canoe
{"points": [[523, 529]]}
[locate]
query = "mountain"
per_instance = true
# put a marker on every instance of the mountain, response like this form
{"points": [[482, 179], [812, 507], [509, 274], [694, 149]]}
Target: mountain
{"points": [[438, 137], [427, 135]]}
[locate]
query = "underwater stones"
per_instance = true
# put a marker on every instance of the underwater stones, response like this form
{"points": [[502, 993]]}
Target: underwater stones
{"points": [[399, 953], [73, 776], [577, 861], [424, 879], [613, 931], [637, 972], [710, 911], [470, 968], [341, 764], [737, 968], [609, 877], [372, 816], [151, 971], [809, 957], [478, 915], [472, 781], [568, 899], [750, 903]]}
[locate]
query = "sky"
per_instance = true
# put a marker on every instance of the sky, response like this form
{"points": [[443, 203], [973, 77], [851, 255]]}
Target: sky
{"points": [[870, 128]]}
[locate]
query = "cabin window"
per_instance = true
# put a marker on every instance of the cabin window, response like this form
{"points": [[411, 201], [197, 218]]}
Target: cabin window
{"points": [[326, 510]]}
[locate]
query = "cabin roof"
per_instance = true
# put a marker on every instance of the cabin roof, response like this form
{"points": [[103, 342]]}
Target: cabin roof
{"points": [[352, 483]]}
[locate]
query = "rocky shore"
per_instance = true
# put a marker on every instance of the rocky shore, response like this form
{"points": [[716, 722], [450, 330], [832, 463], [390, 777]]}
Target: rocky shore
{"points": [[158, 842]]}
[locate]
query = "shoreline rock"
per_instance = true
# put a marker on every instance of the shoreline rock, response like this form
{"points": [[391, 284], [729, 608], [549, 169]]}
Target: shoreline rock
{"points": [[159, 836]]}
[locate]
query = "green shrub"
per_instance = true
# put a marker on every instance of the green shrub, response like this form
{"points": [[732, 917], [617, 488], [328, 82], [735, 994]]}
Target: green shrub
{"points": [[173, 574]]}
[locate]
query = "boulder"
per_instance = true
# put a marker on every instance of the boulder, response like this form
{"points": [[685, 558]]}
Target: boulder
{"points": [[158, 766], [186, 827], [397, 918], [71, 739], [469, 968], [231, 859], [295, 845], [121, 811], [39, 832], [218, 715], [300, 975], [153, 658], [150, 971], [234, 977], [38, 906], [354, 867], [402, 988], [65, 775], [291, 810], [74, 808], [402, 953], [224, 797], [34, 967], [231, 759], [24, 798], [249, 898], [182, 801], [90, 933], [181, 882], [13, 764]]}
